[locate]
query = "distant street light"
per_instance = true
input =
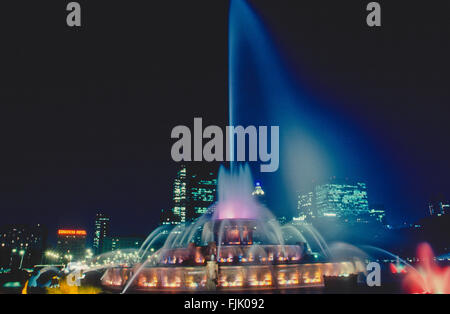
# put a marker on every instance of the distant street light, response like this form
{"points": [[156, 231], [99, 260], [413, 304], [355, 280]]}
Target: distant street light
{"points": [[13, 251], [21, 253]]}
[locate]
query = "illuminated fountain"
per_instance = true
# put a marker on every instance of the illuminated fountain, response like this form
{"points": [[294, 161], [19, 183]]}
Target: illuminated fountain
{"points": [[241, 241], [239, 245]]}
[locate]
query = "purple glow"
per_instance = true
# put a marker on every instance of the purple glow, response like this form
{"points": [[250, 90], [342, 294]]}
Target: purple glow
{"points": [[237, 209], [235, 195]]}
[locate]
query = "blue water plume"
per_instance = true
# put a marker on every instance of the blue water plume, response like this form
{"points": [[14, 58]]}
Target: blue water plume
{"points": [[263, 91]]}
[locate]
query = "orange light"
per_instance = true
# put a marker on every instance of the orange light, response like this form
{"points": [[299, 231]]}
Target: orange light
{"points": [[72, 232]]}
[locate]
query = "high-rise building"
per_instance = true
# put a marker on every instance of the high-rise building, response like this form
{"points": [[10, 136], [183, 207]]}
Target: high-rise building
{"points": [[71, 244], [180, 196], [201, 193], [306, 206], [101, 230], [341, 198], [22, 245], [194, 192]]}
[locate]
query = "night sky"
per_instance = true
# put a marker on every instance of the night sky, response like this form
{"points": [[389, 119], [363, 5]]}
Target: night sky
{"points": [[86, 114]]}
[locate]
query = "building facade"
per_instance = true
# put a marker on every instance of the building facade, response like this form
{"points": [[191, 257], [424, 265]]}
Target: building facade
{"points": [[194, 193], [201, 193], [71, 244], [180, 196], [306, 206], [259, 194], [342, 199], [101, 229]]}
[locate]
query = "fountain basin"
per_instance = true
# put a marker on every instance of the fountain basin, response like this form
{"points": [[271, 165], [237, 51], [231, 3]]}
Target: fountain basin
{"points": [[231, 278]]}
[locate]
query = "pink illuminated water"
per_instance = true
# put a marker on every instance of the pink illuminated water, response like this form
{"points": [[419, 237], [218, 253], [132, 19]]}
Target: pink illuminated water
{"points": [[236, 209], [430, 277], [235, 195]]}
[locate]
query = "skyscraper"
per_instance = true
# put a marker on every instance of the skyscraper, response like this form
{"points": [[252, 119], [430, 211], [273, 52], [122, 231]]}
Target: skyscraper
{"points": [[101, 230], [341, 198], [201, 193], [306, 206], [180, 195], [194, 192]]}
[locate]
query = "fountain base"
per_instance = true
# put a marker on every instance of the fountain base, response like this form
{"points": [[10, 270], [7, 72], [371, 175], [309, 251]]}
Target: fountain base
{"points": [[230, 278]]}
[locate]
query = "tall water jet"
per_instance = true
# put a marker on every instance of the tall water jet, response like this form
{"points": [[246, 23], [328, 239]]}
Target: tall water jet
{"points": [[264, 91]]}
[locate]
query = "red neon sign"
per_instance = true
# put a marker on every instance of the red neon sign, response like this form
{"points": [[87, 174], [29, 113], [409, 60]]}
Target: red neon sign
{"points": [[72, 232]]}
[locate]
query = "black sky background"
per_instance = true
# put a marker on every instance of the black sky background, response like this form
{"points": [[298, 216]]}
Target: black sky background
{"points": [[86, 114]]}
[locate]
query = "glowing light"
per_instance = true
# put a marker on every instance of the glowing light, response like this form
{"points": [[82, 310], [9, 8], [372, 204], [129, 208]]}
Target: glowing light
{"points": [[397, 268], [429, 277], [72, 232]]}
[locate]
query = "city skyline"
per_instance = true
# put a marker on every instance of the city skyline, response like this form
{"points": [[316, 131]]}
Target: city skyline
{"points": [[99, 226], [341, 199], [93, 225]]}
